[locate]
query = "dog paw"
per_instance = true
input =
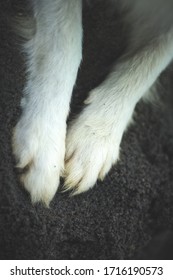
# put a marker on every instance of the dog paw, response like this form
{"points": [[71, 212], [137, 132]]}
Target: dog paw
{"points": [[39, 148], [91, 150]]}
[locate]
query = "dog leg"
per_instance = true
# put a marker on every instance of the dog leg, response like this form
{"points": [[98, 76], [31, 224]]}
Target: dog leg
{"points": [[53, 58], [93, 139]]}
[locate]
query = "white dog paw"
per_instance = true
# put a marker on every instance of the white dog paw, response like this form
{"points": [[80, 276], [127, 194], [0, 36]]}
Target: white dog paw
{"points": [[91, 150], [39, 148]]}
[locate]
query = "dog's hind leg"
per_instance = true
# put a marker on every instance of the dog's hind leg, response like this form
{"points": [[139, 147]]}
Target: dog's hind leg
{"points": [[53, 58], [93, 139]]}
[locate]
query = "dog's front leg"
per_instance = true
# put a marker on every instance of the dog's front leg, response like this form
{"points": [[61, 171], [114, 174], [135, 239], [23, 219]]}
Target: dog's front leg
{"points": [[93, 139], [53, 58]]}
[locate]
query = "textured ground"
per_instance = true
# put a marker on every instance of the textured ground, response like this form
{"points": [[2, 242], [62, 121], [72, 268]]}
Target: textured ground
{"points": [[118, 217]]}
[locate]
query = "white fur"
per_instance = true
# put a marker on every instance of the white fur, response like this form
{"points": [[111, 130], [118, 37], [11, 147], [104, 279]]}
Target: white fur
{"points": [[93, 139], [54, 55]]}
